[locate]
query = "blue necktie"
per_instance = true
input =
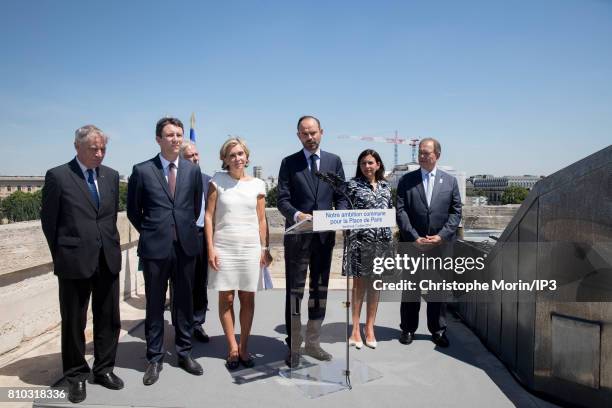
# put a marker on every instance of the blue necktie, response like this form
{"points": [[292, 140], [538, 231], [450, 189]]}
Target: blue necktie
{"points": [[92, 188], [313, 167]]}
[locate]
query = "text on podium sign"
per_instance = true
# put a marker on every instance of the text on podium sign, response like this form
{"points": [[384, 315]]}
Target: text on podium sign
{"points": [[352, 219]]}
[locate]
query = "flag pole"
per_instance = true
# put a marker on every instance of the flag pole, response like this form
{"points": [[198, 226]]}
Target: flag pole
{"points": [[192, 135]]}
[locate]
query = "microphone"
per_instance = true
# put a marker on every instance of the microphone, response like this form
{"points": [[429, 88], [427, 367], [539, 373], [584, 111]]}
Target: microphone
{"points": [[331, 178], [335, 177]]}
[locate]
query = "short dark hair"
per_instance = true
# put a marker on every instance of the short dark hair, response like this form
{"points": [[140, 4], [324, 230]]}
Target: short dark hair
{"points": [[380, 173], [167, 121], [307, 117]]}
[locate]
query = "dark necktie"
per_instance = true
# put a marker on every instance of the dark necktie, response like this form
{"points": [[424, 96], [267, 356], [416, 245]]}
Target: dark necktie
{"points": [[172, 178], [91, 185], [313, 167]]}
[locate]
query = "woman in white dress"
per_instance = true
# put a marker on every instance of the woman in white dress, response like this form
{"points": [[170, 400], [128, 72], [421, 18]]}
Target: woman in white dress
{"points": [[236, 234]]}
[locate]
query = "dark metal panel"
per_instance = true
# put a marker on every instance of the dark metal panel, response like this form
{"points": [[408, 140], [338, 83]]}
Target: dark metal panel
{"points": [[527, 271], [509, 301], [494, 316]]}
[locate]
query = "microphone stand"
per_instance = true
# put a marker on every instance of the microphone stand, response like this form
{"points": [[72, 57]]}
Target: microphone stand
{"points": [[340, 186]]}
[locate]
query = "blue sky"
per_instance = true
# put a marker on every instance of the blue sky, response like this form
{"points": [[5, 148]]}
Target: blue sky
{"points": [[508, 87]]}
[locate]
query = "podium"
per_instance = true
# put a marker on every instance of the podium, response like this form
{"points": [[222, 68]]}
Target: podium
{"points": [[314, 377]]}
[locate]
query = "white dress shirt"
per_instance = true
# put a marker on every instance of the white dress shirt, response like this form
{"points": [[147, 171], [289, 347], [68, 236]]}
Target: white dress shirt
{"points": [[165, 164], [307, 154], [84, 170], [429, 177]]}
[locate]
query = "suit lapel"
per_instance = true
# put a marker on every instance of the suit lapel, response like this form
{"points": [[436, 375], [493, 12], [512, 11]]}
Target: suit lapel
{"points": [[421, 188], [322, 169], [306, 174], [180, 175], [103, 187], [159, 172], [79, 179], [436, 187]]}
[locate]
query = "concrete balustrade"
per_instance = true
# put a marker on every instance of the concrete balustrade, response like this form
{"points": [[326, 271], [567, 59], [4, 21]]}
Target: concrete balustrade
{"points": [[28, 288]]}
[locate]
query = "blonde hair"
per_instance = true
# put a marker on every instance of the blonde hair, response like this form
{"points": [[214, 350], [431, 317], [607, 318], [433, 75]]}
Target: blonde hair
{"points": [[229, 145]]}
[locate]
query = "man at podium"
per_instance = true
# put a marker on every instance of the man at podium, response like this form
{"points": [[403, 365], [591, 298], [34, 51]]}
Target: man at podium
{"points": [[300, 192]]}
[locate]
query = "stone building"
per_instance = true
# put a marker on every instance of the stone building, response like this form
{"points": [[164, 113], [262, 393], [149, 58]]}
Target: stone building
{"points": [[493, 187], [258, 172], [27, 184]]}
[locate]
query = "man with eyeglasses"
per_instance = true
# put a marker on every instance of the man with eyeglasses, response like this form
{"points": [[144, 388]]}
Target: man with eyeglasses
{"points": [[428, 213]]}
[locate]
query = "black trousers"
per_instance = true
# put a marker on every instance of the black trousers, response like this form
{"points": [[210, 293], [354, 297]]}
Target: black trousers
{"points": [[200, 283], [302, 252], [103, 287], [411, 301], [436, 316], [179, 269]]}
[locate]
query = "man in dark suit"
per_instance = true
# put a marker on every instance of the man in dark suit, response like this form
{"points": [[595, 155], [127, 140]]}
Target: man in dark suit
{"points": [[300, 192], [80, 201], [189, 151], [164, 201], [428, 214]]}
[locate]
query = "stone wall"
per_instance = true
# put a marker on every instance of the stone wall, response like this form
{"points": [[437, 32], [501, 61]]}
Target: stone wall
{"points": [[28, 288], [488, 216], [23, 245]]}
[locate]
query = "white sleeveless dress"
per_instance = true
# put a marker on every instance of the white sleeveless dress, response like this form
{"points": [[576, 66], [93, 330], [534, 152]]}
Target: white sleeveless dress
{"points": [[236, 233]]}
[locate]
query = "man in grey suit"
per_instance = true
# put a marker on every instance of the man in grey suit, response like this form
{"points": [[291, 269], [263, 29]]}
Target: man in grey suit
{"points": [[428, 214], [164, 202], [189, 151]]}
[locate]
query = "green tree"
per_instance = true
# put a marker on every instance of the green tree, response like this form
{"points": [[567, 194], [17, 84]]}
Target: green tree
{"points": [[21, 206], [271, 197], [514, 195], [474, 193], [394, 196], [122, 196]]}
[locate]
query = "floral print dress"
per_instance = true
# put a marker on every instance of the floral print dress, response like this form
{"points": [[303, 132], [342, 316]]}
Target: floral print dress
{"points": [[363, 245]]}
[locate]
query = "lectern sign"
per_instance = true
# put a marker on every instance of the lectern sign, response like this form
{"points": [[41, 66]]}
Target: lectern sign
{"points": [[352, 219]]}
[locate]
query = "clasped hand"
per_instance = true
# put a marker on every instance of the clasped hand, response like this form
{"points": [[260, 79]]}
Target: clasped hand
{"points": [[428, 242]]}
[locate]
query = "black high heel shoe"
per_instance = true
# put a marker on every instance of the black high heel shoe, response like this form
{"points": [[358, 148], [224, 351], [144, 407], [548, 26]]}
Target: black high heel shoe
{"points": [[248, 363], [232, 364]]}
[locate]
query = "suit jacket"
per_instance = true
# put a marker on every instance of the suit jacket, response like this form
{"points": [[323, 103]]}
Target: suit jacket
{"points": [[416, 219], [297, 191], [75, 229], [205, 183], [154, 213]]}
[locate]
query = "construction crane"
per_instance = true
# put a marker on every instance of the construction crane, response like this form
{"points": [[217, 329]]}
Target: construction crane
{"points": [[396, 140]]}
